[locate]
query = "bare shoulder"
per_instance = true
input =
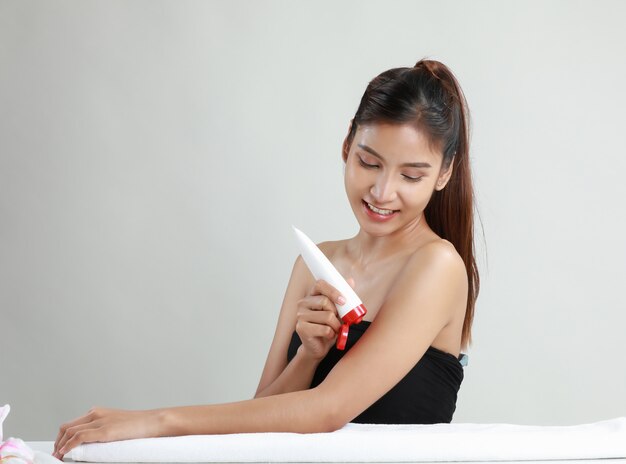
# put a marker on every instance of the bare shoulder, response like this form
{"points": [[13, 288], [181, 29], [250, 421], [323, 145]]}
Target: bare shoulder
{"points": [[301, 270], [330, 247], [439, 257], [439, 250]]}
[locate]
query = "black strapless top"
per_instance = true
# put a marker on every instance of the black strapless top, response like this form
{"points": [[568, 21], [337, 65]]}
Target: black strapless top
{"points": [[426, 395]]}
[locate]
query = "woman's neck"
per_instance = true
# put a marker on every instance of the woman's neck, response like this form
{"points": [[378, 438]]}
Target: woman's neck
{"points": [[366, 250]]}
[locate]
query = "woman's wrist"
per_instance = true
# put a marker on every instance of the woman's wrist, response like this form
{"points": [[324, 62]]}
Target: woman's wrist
{"points": [[161, 421], [308, 358], [296, 376]]}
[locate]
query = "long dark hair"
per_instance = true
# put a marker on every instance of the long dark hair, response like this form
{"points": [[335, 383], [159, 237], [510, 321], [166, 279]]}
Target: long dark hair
{"points": [[429, 97]]}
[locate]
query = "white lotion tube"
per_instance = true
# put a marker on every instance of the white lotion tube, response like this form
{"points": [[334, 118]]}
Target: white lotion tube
{"points": [[352, 311]]}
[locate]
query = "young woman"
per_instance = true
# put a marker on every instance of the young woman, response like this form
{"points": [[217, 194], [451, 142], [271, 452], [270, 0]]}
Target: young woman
{"points": [[408, 180]]}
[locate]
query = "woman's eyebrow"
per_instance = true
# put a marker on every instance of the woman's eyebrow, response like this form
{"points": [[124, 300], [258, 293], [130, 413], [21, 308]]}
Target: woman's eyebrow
{"points": [[410, 165]]}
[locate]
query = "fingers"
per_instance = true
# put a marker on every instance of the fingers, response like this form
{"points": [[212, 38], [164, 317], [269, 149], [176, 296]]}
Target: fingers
{"points": [[321, 318], [75, 436], [63, 429], [318, 310], [68, 430], [317, 315], [308, 330], [317, 303], [321, 303], [322, 287]]}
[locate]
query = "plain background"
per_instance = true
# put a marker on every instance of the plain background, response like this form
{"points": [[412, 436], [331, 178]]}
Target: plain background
{"points": [[154, 154]]}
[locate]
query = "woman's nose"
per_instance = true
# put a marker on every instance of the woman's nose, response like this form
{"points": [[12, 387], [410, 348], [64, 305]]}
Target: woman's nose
{"points": [[383, 190]]}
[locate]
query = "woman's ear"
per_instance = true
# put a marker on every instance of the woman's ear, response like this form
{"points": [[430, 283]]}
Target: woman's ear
{"points": [[444, 177], [346, 145]]}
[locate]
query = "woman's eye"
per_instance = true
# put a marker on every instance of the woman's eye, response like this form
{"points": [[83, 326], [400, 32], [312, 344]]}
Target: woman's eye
{"points": [[372, 166], [365, 165], [413, 179]]}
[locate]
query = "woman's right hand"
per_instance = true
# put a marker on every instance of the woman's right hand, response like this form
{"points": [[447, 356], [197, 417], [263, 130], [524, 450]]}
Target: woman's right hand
{"points": [[318, 322], [103, 425]]}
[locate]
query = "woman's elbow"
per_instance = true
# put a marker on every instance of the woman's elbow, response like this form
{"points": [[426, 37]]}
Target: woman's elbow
{"points": [[333, 413], [330, 423], [336, 425]]}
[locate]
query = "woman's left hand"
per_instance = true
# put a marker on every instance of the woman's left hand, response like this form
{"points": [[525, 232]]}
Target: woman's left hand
{"points": [[102, 425]]}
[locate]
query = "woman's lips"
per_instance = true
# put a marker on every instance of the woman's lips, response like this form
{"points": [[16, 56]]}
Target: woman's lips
{"points": [[378, 217]]}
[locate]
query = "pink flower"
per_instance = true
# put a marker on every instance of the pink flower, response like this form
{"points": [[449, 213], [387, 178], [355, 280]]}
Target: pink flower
{"points": [[13, 450], [4, 412]]}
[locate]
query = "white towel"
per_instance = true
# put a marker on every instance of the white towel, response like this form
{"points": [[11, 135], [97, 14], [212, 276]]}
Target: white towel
{"points": [[377, 443]]}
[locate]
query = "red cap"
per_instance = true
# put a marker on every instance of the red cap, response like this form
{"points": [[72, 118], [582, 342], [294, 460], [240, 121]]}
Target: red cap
{"points": [[343, 336], [354, 316]]}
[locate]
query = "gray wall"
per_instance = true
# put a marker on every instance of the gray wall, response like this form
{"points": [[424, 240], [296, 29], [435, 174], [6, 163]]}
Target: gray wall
{"points": [[153, 155]]}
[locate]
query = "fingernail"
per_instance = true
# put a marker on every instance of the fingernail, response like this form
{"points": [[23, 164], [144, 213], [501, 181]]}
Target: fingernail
{"points": [[341, 300]]}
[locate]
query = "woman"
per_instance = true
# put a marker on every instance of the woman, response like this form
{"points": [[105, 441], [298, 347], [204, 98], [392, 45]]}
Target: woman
{"points": [[408, 180]]}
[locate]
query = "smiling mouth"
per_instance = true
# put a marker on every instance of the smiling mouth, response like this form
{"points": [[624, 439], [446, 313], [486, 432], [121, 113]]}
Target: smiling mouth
{"points": [[383, 212]]}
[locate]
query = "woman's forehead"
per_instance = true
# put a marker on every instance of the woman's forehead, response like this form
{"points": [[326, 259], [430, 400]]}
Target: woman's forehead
{"points": [[398, 143]]}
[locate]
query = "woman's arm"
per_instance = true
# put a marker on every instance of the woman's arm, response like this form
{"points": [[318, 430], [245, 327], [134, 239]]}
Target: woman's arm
{"points": [[296, 376], [420, 304], [278, 376], [428, 293], [316, 320], [304, 411]]}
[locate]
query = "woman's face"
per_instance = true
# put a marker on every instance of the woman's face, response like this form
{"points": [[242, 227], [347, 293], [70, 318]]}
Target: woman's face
{"points": [[391, 167]]}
